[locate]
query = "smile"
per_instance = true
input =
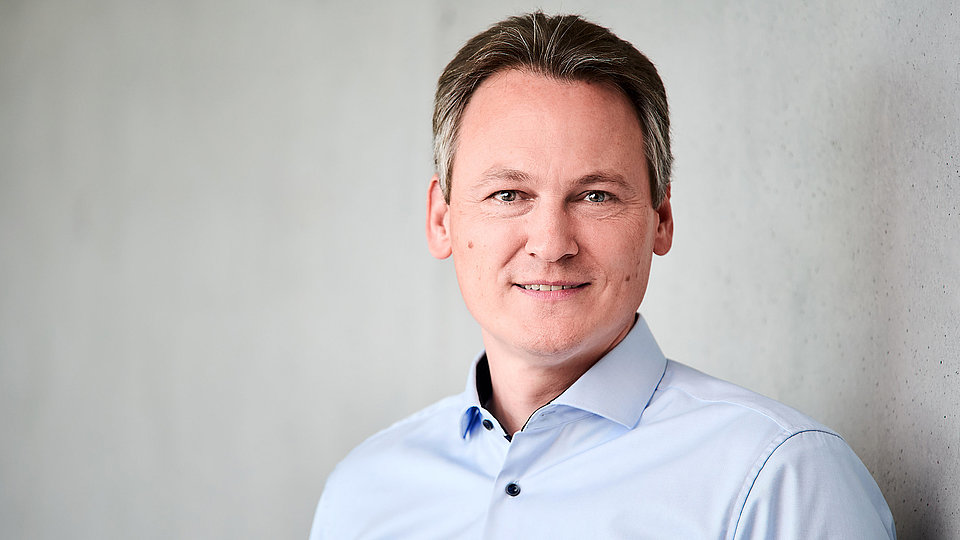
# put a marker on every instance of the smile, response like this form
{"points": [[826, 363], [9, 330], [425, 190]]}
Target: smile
{"points": [[545, 287]]}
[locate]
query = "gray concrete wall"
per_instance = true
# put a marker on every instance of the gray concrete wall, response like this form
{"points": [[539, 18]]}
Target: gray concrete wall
{"points": [[213, 280]]}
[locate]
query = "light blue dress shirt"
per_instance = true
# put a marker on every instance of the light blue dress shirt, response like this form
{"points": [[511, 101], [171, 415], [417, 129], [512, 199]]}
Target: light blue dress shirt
{"points": [[638, 447]]}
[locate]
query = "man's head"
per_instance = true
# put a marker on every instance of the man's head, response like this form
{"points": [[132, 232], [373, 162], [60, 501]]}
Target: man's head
{"points": [[563, 47], [549, 216]]}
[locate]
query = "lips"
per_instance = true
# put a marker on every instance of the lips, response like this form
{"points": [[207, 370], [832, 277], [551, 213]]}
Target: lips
{"points": [[548, 286], [543, 287]]}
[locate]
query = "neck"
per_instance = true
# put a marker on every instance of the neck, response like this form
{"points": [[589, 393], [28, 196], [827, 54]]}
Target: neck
{"points": [[519, 390], [522, 383]]}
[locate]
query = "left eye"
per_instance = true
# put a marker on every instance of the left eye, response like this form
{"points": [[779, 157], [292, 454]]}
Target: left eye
{"points": [[596, 196]]}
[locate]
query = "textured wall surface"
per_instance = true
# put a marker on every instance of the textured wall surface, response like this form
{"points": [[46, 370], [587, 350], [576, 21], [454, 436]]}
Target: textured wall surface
{"points": [[213, 278]]}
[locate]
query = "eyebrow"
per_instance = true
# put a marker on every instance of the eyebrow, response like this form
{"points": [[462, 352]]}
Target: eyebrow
{"points": [[603, 177], [496, 173]]}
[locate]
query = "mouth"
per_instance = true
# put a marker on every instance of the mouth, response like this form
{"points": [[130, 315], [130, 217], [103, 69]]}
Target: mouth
{"points": [[549, 286]]}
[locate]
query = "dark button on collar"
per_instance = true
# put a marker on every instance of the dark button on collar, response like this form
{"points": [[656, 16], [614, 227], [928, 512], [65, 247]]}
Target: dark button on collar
{"points": [[487, 424], [512, 489]]}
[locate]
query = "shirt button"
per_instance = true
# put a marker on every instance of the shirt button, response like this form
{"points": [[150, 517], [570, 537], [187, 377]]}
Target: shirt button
{"points": [[513, 489], [487, 424]]}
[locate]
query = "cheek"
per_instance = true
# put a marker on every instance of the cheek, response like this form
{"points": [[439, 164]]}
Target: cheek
{"points": [[631, 276], [631, 260], [473, 262]]}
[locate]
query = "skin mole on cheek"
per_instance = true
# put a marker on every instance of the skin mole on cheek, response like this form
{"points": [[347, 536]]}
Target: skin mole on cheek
{"points": [[469, 244], [628, 277]]}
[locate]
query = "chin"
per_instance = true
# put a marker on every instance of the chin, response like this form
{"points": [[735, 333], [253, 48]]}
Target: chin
{"points": [[552, 347], [555, 343], [565, 341]]}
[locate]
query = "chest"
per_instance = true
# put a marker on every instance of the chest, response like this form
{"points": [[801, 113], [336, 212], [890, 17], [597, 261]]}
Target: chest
{"points": [[579, 480]]}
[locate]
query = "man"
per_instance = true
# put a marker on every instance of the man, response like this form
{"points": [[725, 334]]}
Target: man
{"points": [[552, 194]]}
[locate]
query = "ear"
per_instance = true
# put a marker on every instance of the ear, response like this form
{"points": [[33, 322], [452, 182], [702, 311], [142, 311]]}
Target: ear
{"points": [[438, 221], [664, 238]]}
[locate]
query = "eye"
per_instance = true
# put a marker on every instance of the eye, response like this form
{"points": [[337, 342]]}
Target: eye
{"points": [[596, 196], [507, 195]]}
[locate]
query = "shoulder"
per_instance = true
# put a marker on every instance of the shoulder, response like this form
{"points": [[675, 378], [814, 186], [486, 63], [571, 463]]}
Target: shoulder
{"points": [[387, 460], [687, 390], [428, 427], [800, 479], [813, 486]]}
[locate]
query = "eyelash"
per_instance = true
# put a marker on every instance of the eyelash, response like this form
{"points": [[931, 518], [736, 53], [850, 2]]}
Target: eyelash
{"points": [[606, 196], [514, 194], [497, 195]]}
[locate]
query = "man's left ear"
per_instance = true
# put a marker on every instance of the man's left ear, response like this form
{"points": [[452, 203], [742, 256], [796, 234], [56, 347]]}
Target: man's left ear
{"points": [[664, 238], [438, 221]]}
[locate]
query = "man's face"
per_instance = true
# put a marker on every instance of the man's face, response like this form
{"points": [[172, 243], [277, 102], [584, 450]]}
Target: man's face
{"points": [[550, 221]]}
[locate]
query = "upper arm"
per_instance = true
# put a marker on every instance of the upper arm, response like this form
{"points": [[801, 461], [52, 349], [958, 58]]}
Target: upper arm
{"points": [[814, 486]]}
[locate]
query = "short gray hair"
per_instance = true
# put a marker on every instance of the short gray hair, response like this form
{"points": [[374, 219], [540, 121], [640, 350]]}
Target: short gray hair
{"points": [[565, 47]]}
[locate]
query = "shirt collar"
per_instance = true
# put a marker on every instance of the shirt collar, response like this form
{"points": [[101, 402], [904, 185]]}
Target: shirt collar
{"points": [[471, 414], [618, 387]]}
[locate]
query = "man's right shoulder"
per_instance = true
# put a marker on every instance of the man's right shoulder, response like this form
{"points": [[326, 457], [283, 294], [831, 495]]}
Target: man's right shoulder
{"points": [[369, 476], [436, 421]]}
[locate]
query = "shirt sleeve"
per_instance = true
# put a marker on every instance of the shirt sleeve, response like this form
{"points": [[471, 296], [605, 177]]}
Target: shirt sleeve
{"points": [[814, 486], [316, 530], [328, 520]]}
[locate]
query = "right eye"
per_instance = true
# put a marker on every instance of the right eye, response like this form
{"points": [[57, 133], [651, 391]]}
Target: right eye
{"points": [[506, 196]]}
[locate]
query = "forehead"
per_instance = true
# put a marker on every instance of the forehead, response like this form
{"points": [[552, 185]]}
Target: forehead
{"points": [[543, 126]]}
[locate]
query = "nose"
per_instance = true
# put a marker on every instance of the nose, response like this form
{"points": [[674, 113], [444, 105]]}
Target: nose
{"points": [[550, 233]]}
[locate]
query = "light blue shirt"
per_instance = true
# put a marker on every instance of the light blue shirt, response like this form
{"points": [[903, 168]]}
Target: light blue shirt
{"points": [[638, 447]]}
